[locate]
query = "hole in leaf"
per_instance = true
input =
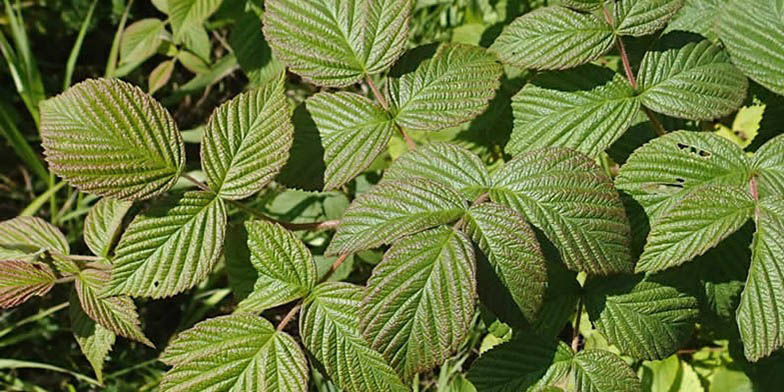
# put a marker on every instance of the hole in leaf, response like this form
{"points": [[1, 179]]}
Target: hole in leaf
{"points": [[694, 150], [155, 283]]}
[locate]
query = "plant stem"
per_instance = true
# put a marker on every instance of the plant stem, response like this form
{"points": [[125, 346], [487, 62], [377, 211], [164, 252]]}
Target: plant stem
{"points": [[84, 258], [376, 93], [576, 330], [66, 279], [99, 266], [657, 125], [335, 266], [409, 142]]}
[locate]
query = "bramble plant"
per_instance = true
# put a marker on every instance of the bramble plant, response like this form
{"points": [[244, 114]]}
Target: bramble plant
{"points": [[622, 218]]}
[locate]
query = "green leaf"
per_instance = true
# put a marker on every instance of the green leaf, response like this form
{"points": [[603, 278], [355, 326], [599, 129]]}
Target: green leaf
{"points": [[192, 62], [196, 39], [183, 14], [643, 17], [329, 327], [353, 131], [247, 140], [602, 371], [170, 247], [661, 173], [239, 353], [336, 43], [693, 226], [752, 31], [453, 87], [285, 269], [699, 17], [395, 209], [510, 246], [647, 318], [696, 82], [566, 195], [118, 314], [94, 340], [527, 363], [159, 76], [745, 126], [760, 323], [447, 163], [20, 280], [573, 109], [109, 138], [141, 40], [553, 37], [419, 301], [583, 5], [25, 237], [103, 224], [768, 164], [253, 52]]}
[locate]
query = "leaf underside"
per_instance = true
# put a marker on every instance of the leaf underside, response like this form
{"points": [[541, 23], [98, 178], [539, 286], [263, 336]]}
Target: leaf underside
{"points": [[94, 340], [25, 237], [20, 280], [103, 224]]}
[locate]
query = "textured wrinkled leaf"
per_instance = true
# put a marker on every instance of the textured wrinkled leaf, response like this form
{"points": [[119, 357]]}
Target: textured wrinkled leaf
{"points": [[25, 237], [419, 301], [238, 353], [566, 195], [329, 327], [170, 247], [20, 280], [353, 131], [693, 226], [453, 87], [510, 246], [661, 173], [118, 314], [553, 37], [141, 40], [336, 42], [647, 318], [527, 363], [583, 5], [547, 114], [107, 137], [247, 140], [449, 164], [285, 269], [184, 14], [696, 82], [602, 371], [760, 323], [699, 17], [103, 224], [643, 17], [94, 340], [753, 32], [768, 163]]}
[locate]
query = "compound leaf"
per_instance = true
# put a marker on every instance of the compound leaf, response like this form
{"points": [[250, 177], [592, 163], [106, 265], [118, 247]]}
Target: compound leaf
{"points": [[419, 301], [643, 17], [170, 247], [108, 137], [247, 140], [696, 82], [330, 331], [566, 195], [25, 237], [768, 164], [602, 371], [103, 223], [94, 340], [239, 353], [395, 209], [453, 87], [20, 280], [553, 37]]}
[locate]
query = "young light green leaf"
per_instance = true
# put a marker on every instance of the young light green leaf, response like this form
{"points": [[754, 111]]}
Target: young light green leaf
{"points": [[661, 173], [186, 13], [752, 31], [768, 163], [553, 37], [94, 340], [760, 324], [247, 140], [453, 87], [20, 280], [336, 43], [696, 82], [329, 327], [118, 314], [107, 137], [285, 269], [602, 371], [25, 237], [141, 40], [699, 17], [419, 300], [170, 247], [511, 248], [549, 113], [447, 163], [527, 363], [239, 353], [103, 224], [395, 209], [643, 17], [566, 195], [159, 76], [647, 318], [353, 131], [693, 226]]}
